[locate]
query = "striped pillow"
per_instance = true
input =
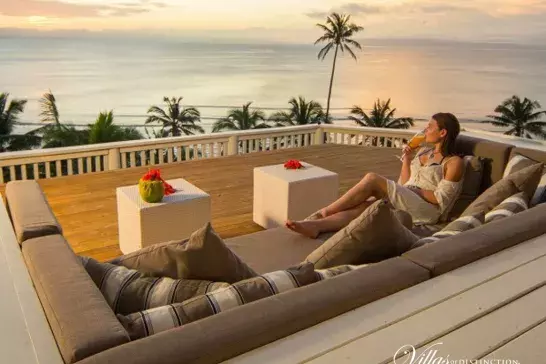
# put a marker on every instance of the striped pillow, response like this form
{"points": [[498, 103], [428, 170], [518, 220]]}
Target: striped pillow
{"points": [[146, 323], [127, 290], [519, 162], [458, 226], [511, 206]]}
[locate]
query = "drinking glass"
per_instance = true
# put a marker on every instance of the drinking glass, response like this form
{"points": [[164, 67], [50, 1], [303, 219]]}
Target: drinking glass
{"points": [[415, 142]]}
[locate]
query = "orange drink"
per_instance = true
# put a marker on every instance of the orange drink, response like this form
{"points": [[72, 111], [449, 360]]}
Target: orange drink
{"points": [[416, 141]]}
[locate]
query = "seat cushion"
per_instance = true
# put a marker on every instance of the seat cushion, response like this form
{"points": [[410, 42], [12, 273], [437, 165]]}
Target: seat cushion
{"points": [[30, 213], [273, 249], [375, 235], [204, 256], [81, 320]]}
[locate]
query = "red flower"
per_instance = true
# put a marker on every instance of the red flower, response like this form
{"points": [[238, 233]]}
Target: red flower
{"points": [[155, 175], [293, 164]]}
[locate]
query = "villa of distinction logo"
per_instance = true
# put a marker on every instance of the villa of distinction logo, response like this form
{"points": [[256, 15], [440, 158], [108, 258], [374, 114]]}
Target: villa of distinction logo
{"points": [[408, 354]]}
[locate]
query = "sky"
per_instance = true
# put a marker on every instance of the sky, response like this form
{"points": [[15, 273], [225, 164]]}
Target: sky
{"points": [[285, 20]]}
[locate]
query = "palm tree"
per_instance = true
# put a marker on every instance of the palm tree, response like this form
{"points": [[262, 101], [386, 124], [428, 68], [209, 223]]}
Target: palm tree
{"points": [[381, 116], [337, 32], [301, 113], [521, 116], [177, 119], [9, 118], [104, 130], [50, 113], [241, 119]]}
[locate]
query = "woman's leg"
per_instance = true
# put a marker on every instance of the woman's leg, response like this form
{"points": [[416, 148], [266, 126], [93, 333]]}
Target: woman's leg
{"points": [[372, 185], [313, 228]]}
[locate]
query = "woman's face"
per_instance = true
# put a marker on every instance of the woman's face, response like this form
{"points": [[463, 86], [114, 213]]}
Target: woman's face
{"points": [[433, 133]]}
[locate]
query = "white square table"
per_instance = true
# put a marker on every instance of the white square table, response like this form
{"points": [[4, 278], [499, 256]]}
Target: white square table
{"points": [[142, 224], [281, 194]]}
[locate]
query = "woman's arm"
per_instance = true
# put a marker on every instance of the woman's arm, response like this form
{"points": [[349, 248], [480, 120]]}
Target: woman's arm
{"points": [[405, 173], [454, 173]]}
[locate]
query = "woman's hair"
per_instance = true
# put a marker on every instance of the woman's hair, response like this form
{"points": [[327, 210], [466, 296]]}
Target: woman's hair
{"points": [[448, 122]]}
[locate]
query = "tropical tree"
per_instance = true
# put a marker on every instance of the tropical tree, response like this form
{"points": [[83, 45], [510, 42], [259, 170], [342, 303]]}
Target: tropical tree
{"points": [[177, 120], [50, 113], [301, 113], [104, 130], [9, 118], [521, 116], [241, 119], [381, 116], [337, 33]]}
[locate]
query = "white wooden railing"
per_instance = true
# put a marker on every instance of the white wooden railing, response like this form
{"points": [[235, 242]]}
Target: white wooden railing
{"points": [[57, 162]]}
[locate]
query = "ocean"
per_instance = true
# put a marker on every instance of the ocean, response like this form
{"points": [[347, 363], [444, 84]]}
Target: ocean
{"points": [[89, 74]]}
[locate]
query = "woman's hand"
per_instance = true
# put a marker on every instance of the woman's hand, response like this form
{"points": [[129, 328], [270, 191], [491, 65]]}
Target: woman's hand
{"points": [[407, 153]]}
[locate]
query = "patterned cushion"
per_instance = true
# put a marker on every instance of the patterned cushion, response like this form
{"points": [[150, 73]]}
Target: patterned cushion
{"points": [[164, 318], [511, 206], [519, 162], [458, 226], [127, 290]]}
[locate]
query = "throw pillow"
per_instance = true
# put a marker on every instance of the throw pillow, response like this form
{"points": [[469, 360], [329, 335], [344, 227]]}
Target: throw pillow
{"points": [[375, 235], [458, 226], [204, 256], [518, 162], [149, 322], [127, 290], [511, 206], [473, 176], [525, 180]]}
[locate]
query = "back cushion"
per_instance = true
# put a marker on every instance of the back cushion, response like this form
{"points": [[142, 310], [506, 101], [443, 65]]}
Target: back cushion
{"points": [[81, 320], [495, 156]]}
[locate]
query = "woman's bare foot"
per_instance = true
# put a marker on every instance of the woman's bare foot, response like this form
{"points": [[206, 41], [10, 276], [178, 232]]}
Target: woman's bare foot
{"points": [[305, 228]]}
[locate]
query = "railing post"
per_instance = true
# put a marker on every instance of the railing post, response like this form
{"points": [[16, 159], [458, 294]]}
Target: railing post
{"points": [[233, 147], [113, 159], [319, 136]]}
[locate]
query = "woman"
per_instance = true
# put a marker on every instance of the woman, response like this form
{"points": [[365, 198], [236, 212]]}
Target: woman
{"points": [[428, 186]]}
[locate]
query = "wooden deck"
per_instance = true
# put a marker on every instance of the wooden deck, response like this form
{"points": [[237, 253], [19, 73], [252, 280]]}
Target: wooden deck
{"points": [[489, 310], [85, 205]]}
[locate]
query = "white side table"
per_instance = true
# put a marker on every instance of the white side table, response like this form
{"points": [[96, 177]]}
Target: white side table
{"points": [[176, 217], [281, 194]]}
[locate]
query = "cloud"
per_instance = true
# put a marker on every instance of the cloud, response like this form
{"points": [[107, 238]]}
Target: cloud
{"points": [[61, 9], [357, 9], [317, 14]]}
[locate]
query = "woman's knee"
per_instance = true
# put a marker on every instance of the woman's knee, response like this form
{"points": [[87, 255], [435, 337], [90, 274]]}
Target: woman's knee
{"points": [[371, 177]]}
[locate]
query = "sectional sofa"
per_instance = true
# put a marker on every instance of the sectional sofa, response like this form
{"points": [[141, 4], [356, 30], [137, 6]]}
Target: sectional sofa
{"points": [[86, 330]]}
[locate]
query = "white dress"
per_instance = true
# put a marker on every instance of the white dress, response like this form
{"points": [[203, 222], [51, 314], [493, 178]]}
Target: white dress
{"points": [[426, 177]]}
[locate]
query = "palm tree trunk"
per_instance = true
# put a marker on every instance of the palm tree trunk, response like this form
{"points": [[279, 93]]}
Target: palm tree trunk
{"points": [[331, 84]]}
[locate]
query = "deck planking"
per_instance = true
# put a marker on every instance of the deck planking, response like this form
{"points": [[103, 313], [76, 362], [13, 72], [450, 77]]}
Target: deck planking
{"points": [[85, 205]]}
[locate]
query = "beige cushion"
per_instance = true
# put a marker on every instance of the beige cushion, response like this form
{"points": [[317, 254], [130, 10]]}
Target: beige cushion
{"points": [[204, 256], [375, 235], [473, 177], [525, 180], [150, 322], [81, 320], [509, 207], [30, 213], [458, 226], [128, 291]]}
